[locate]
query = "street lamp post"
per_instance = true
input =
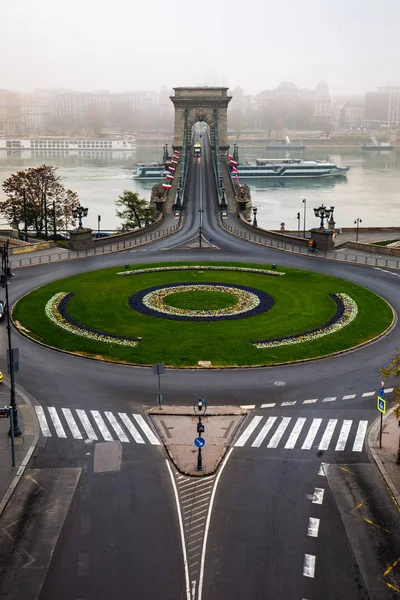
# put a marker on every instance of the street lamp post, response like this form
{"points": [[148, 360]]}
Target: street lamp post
{"points": [[5, 277], [201, 210], [98, 225], [298, 224], [25, 216], [357, 224], [304, 218], [54, 219], [255, 208], [322, 212], [79, 212]]}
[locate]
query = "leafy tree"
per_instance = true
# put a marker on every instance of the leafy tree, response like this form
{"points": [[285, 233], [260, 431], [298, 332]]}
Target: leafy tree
{"points": [[135, 212], [42, 188], [394, 370]]}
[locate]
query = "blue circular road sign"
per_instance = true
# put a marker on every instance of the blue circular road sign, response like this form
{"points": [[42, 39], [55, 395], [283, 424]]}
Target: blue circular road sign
{"points": [[199, 442]]}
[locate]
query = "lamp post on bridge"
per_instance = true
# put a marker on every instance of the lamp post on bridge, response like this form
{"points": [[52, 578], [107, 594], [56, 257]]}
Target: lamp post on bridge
{"points": [[79, 212], [255, 208], [304, 217], [322, 212], [357, 224], [201, 210]]}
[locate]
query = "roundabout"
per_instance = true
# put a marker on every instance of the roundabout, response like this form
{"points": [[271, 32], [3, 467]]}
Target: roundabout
{"points": [[235, 315]]}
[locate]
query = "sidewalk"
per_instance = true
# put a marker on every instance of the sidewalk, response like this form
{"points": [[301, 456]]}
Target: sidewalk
{"points": [[24, 445], [385, 457]]}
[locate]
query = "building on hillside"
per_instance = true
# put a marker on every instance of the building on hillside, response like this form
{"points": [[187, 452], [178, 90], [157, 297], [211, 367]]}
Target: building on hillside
{"points": [[35, 113], [10, 113], [382, 108]]}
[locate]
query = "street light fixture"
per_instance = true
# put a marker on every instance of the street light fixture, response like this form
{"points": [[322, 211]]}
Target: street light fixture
{"points": [[304, 218], [322, 212], [79, 212], [357, 223], [255, 208], [201, 210], [5, 277], [298, 224]]}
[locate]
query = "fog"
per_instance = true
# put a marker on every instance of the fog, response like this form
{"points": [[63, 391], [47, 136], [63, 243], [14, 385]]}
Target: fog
{"points": [[120, 45]]}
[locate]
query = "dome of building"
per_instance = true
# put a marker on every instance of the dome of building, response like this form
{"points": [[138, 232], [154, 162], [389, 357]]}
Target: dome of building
{"points": [[286, 86]]}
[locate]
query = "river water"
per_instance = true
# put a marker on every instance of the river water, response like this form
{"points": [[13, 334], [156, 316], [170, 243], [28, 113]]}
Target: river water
{"points": [[370, 192]]}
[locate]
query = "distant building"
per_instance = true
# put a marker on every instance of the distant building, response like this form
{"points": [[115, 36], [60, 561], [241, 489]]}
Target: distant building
{"points": [[10, 113], [35, 113], [382, 108], [352, 114]]}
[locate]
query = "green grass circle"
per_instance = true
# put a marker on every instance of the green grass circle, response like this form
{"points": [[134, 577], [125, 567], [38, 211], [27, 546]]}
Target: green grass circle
{"points": [[302, 302], [200, 300]]}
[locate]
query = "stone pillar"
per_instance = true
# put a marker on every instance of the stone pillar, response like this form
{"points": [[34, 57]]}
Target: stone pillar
{"points": [[80, 239], [323, 239]]}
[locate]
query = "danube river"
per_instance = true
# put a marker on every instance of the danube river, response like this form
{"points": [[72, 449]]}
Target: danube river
{"points": [[370, 192]]}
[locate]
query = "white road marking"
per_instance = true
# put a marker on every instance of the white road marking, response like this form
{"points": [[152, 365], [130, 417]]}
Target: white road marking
{"points": [[343, 435], [146, 429], [360, 435], [312, 401], [102, 426], [366, 394], [290, 444], [323, 468], [42, 421], [185, 563], [312, 432], [203, 552], [332, 399], [313, 527], [309, 565], [288, 403], [266, 427], [328, 433], [116, 426], [271, 405], [72, 424], [389, 390], [248, 431], [131, 428], [318, 496], [86, 424], [276, 438], [248, 406], [56, 422], [349, 397]]}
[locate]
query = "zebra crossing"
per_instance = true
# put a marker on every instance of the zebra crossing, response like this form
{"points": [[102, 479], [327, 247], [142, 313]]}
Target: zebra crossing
{"points": [[304, 433], [94, 426]]}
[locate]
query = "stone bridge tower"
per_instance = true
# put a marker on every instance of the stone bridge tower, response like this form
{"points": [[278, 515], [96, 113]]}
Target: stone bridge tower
{"points": [[202, 104]]}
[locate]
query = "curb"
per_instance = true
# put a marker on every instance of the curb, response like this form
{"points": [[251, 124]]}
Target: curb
{"points": [[21, 469], [372, 436]]}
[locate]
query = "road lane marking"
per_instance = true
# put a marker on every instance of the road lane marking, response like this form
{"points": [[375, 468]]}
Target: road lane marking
{"points": [[72, 423], [276, 438], [131, 428], [290, 444], [248, 431], [389, 390], [349, 397], [313, 527], [90, 432], [331, 399], [366, 394], [56, 422], [271, 405], [102, 426], [289, 403], [248, 406], [312, 432], [260, 438], [343, 435], [42, 421], [312, 401], [116, 426], [328, 433], [318, 497], [309, 565], [146, 429], [360, 435]]}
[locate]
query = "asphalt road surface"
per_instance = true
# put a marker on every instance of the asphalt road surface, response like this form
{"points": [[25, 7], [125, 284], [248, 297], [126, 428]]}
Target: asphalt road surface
{"points": [[298, 511]]}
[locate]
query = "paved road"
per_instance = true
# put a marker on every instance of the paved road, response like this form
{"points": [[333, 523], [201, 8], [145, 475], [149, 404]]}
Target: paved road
{"points": [[119, 529]]}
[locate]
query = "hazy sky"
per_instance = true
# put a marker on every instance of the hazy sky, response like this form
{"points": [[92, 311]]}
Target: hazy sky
{"points": [[141, 45]]}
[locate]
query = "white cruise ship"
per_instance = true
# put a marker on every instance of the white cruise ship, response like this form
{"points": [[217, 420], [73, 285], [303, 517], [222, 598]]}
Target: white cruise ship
{"points": [[69, 144], [288, 168]]}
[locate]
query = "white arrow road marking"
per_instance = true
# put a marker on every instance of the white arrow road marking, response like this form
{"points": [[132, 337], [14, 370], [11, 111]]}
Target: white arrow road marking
{"points": [[318, 497]]}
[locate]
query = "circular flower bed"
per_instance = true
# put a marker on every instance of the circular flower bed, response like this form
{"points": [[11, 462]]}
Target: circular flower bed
{"points": [[250, 302], [56, 310], [201, 268], [346, 312]]}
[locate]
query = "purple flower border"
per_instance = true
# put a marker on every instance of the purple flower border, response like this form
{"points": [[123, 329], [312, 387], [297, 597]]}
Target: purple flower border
{"points": [[136, 303], [62, 309], [340, 309]]}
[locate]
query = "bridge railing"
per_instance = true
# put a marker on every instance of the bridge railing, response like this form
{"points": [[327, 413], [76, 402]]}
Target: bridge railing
{"points": [[180, 192], [217, 164]]}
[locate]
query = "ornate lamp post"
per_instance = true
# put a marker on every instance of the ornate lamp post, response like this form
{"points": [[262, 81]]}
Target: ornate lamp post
{"points": [[255, 208], [357, 224], [79, 212], [5, 277], [322, 212], [304, 217]]}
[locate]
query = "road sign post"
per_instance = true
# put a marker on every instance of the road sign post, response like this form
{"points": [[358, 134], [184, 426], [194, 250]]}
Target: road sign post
{"points": [[159, 369], [381, 406], [5, 413], [199, 442]]}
